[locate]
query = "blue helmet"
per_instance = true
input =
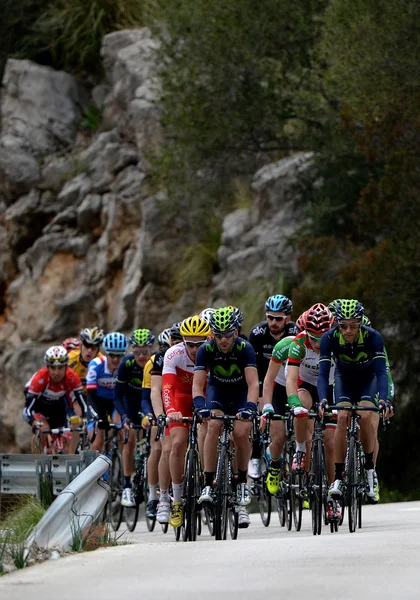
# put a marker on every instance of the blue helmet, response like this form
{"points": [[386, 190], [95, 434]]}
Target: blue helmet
{"points": [[279, 303], [115, 342]]}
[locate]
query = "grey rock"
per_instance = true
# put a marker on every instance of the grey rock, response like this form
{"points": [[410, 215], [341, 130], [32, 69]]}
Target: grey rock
{"points": [[88, 213], [19, 172], [74, 191], [67, 217], [40, 106]]}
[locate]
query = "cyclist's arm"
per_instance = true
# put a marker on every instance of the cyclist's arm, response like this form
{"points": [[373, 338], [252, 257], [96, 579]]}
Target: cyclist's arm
{"points": [[156, 395], [80, 399], [379, 364], [119, 390], [292, 386], [146, 403], [324, 367], [251, 376], [28, 412], [269, 379]]}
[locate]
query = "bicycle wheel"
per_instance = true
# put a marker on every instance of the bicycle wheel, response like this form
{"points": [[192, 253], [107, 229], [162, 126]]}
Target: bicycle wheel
{"points": [[317, 491], [264, 502], [164, 527], [116, 480], [191, 494], [221, 493], [296, 499], [131, 515], [361, 491], [352, 485], [232, 513], [209, 516], [281, 509], [150, 521]]}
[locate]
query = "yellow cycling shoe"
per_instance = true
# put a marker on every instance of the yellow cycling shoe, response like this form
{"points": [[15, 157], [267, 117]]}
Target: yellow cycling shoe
{"points": [[273, 480], [177, 515]]}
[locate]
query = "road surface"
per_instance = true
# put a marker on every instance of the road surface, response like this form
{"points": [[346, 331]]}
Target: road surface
{"points": [[380, 561]]}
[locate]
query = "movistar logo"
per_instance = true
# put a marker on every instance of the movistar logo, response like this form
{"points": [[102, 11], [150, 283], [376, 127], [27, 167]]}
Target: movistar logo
{"points": [[210, 347], [136, 380], [227, 373], [130, 362], [241, 345], [361, 356]]}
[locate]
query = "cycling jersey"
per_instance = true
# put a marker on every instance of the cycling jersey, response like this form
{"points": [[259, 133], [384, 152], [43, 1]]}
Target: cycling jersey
{"points": [[53, 399], [226, 369], [128, 389], [303, 356], [79, 366], [153, 366], [263, 343], [100, 384], [280, 355], [177, 379], [363, 360]]}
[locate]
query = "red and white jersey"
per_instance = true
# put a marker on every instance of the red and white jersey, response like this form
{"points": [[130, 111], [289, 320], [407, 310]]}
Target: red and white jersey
{"points": [[51, 391], [177, 377]]}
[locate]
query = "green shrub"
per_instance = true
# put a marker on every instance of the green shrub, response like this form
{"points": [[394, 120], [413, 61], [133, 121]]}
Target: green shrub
{"points": [[71, 31]]}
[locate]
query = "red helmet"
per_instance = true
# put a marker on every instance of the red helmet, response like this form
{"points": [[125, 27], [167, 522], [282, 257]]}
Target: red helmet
{"points": [[71, 344], [300, 322], [317, 319]]}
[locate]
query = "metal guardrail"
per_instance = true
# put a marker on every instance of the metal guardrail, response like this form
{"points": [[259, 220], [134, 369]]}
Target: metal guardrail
{"points": [[26, 473], [76, 508]]}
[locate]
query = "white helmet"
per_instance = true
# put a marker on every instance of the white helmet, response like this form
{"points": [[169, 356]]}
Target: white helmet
{"points": [[56, 355], [206, 314]]}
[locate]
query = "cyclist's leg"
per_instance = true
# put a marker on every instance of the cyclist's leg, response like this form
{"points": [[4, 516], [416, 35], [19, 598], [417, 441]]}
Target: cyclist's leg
{"points": [[303, 429], [278, 428], [179, 437], [211, 441], [368, 432], [329, 435], [343, 395], [164, 479]]}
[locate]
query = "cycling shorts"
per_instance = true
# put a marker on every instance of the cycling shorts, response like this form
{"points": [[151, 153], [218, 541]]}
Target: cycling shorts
{"points": [[329, 422], [105, 411], [55, 413], [279, 399], [182, 403], [355, 388], [227, 401]]}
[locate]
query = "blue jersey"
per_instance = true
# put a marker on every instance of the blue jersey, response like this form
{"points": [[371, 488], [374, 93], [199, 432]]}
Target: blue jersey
{"points": [[226, 369], [100, 379], [365, 358]]}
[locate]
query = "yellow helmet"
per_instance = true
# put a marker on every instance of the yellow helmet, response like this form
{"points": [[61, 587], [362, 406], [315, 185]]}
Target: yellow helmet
{"points": [[195, 326]]}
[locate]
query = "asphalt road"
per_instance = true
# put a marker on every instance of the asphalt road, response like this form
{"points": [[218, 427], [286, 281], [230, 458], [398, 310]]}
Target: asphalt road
{"points": [[379, 561]]}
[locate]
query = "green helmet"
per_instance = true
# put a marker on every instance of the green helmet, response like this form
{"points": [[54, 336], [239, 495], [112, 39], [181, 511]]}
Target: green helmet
{"points": [[224, 319], [142, 337], [366, 321], [349, 309], [332, 307]]}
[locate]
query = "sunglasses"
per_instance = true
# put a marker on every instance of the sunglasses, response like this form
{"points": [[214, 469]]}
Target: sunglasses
{"points": [[193, 344], [351, 326], [273, 318], [227, 336], [90, 346], [114, 355], [141, 352], [57, 367], [314, 338]]}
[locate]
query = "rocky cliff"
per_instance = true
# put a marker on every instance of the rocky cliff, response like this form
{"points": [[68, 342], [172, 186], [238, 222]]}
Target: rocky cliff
{"points": [[85, 239]]}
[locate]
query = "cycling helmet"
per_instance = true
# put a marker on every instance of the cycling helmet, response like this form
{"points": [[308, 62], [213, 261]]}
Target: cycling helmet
{"points": [[115, 342], [317, 319], [206, 314], [366, 321], [175, 333], [92, 336], [142, 337], [349, 309], [332, 307], [71, 344], [56, 355], [300, 322], [224, 319], [195, 326], [279, 303], [164, 339], [238, 314]]}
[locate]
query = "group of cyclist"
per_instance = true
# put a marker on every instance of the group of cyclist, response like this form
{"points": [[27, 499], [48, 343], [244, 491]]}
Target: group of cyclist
{"points": [[204, 364]]}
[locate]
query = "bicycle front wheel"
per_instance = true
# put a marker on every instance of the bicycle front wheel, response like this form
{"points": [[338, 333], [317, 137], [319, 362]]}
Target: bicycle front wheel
{"points": [[352, 485], [116, 480], [221, 493], [191, 494], [317, 491], [264, 502], [296, 489]]}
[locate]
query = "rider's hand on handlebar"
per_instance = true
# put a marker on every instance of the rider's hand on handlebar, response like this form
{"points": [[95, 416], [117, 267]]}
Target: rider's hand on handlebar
{"points": [[322, 406], [175, 417], [386, 406]]}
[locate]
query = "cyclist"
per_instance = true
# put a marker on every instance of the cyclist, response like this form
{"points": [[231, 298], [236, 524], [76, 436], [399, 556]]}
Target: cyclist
{"points": [[375, 417], [79, 358], [232, 389], [360, 375], [164, 505], [51, 393], [100, 384], [178, 371], [206, 314], [263, 338], [274, 401], [301, 385], [129, 402]]}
